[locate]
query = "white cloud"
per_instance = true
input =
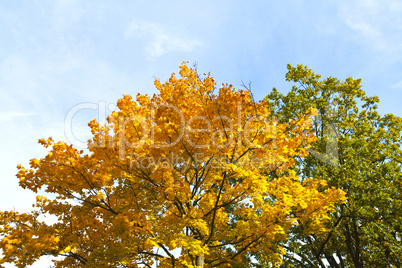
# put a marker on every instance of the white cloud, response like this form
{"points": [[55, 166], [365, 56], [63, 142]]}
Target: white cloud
{"points": [[365, 28], [397, 85], [376, 22], [12, 115], [159, 40]]}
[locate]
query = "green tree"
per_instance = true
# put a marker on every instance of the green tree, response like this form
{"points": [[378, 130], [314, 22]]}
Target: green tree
{"points": [[358, 150]]}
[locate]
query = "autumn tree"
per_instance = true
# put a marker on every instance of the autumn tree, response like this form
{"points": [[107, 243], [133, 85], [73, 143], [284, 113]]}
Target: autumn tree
{"points": [[357, 150], [181, 179]]}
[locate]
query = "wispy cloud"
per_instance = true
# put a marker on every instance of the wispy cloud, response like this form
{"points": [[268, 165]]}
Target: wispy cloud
{"points": [[364, 28], [397, 85], [159, 39], [13, 115], [376, 22]]}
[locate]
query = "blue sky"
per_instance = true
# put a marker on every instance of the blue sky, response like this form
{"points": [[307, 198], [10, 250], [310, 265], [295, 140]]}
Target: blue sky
{"points": [[55, 55]]}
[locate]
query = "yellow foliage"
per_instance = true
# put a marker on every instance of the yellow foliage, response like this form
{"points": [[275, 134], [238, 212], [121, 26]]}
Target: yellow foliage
{"points": [[188, 168]]}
